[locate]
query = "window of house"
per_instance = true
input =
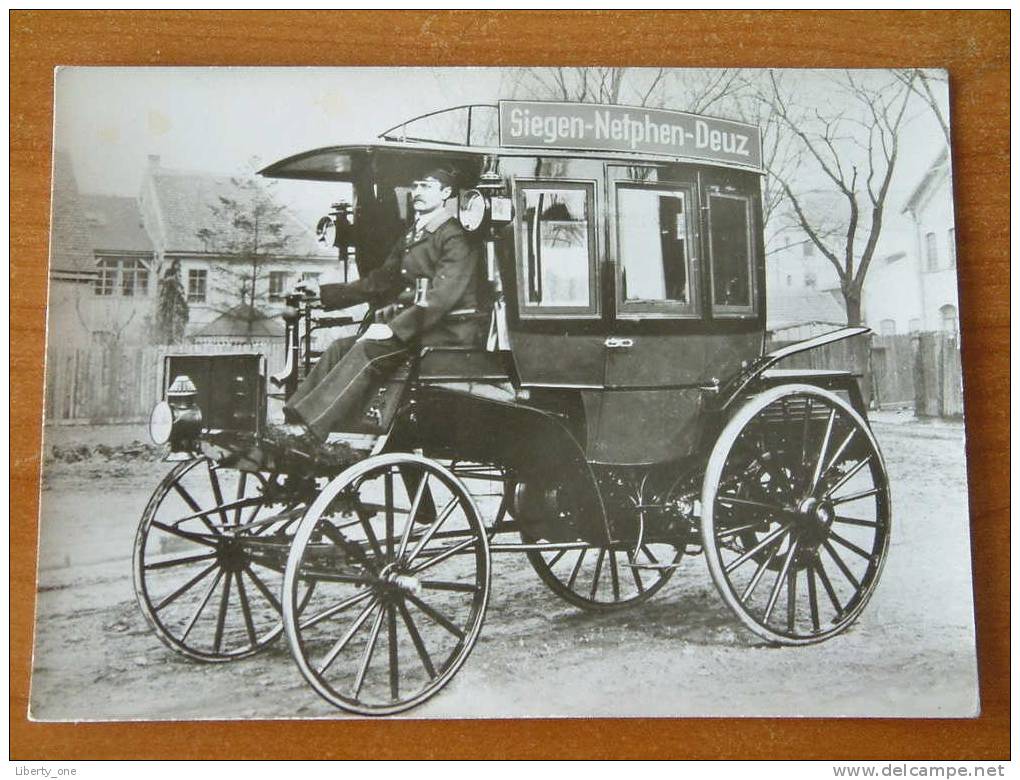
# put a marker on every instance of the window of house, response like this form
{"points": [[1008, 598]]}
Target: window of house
{"points": [[310, 276], [789, 280], [197, 278], [810, 279], [730, 248], [556, 254], [915, 324], [949, 320], [277, 285], [951, 240], [887, 328], [107, 279], [931, 250], [126, 276], [654, 239]]}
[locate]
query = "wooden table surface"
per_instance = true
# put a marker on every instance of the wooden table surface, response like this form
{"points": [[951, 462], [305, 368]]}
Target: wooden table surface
{"points": [[973, 46]]}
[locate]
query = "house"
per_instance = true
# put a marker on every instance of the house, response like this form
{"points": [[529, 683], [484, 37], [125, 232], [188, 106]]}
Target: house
{"points": [[177, 209], [107, 252], [923, 272], [930, 208], [794, 264], [122, 301], [101, 285]]}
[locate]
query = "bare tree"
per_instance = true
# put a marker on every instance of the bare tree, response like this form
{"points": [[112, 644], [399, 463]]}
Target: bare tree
{"points": [[779, 158], [698, 90], [248, 229], [852, 141], [929, 86]]}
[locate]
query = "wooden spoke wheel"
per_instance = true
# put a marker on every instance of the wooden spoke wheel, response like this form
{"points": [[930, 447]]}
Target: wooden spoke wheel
{"points": [[400, 561], [601, 579], [209, 557], [795, 514]]}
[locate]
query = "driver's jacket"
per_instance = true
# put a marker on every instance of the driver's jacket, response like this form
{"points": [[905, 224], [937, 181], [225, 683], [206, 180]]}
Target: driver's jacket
{"points": [[442, 253]]}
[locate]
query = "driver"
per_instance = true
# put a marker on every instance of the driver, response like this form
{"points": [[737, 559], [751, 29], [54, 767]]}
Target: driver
{"points": [[436, 249]]}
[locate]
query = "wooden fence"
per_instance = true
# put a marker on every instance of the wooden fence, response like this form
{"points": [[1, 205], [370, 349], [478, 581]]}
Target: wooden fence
{"points": [[919, 370], [121, 384]]}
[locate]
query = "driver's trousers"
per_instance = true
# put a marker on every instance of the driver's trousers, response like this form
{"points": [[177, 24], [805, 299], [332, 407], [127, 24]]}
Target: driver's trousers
{"points": [[337, 386]]}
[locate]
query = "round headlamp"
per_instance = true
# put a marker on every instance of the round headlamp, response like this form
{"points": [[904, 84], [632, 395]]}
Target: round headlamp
{"points": [[471, 211], [161, 422]]}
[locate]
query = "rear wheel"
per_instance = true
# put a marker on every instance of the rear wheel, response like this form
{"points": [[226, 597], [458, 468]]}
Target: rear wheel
{"points": [[796, 514], [400, 562], [605, 579]]}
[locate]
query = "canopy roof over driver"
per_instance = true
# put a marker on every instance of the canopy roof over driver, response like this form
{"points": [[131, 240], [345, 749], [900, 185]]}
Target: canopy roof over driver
{"points": [[526, 128]]}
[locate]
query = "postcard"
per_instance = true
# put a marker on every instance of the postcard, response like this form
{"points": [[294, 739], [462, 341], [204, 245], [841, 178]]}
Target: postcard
{"points": [[503, 392]]}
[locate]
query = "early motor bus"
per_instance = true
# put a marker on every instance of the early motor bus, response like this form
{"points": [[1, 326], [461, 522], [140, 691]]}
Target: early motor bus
{"points": [[621, 414]]}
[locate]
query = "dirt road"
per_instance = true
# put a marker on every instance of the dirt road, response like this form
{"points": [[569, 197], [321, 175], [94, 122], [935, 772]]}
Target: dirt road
{"points": [[911, 653]]}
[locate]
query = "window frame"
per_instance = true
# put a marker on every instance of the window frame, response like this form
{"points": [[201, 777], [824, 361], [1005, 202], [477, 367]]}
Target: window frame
{"points": [[721, 311], [105, 285], [278, 295], [528, 310], [665, 309], [120, 276], [931, 251], [205, 286]]}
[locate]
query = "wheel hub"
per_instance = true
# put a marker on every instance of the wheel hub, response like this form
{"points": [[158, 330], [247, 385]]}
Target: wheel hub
{"points": [[815, 519], [393, 579], [232, 556]]}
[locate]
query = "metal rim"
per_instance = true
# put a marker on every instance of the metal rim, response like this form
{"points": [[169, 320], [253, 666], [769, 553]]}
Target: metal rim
{"points": [[788, 557], [368, 558]]}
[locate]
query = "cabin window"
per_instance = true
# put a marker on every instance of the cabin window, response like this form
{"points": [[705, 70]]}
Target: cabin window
{"points": [[729, 220], [556, 268], [655, 238]]}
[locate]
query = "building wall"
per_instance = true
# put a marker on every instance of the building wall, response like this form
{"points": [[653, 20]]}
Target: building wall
{"points": [[892, 294], [217, 301], [796, 264], [78, 317], [934, 216]]}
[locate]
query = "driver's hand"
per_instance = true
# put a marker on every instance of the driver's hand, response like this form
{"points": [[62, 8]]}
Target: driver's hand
{"points": [[377, 332], [387, 313]]}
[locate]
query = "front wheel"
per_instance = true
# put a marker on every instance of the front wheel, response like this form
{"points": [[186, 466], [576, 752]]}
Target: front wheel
{"points": [[399, 560], [208, 560], [795, 514]]}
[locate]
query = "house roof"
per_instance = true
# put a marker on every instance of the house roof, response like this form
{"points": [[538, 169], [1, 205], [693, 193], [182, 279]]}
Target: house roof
{"points": [[937, 168], [70, 247], [184, 199], [242, 321], [115, 223], [786, 310]]}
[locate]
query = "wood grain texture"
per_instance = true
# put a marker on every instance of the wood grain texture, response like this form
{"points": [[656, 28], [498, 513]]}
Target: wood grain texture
{"points": [[973, 46]]}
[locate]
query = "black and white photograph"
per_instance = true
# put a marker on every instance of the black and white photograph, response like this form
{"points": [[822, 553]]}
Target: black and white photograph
{"points": [[503, 393]]}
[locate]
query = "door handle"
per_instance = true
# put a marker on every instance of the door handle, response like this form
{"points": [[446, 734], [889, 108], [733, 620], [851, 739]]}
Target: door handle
{"points": [[614, 342]]}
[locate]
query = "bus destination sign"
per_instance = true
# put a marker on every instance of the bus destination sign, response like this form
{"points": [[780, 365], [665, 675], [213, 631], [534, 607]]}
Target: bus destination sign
{"points": [[589, 126]]}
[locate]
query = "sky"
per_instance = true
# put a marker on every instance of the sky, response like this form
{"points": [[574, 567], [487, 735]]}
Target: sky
{"points": [[218, 119]]}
